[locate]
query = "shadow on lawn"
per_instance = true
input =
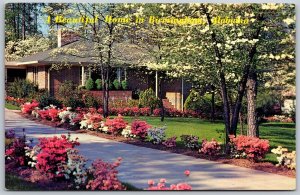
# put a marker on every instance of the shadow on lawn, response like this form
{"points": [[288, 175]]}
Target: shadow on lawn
{"points": [[280, 125]]}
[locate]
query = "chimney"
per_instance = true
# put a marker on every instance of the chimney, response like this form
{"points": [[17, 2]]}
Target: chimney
{"points": [[59, 37], [65, 37]]}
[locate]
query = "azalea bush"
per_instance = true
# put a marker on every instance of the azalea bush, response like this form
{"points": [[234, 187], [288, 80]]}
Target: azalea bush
{"points": [[211, 148], [28, 107], [170, 142], [140, 128], [161, 185], [190, 141], [127, 132], [91, 121], [284, 157], [116, 125], [249, 147], [157, 135], [15, 152], [53, 152], [15, 101], [104, 176]]}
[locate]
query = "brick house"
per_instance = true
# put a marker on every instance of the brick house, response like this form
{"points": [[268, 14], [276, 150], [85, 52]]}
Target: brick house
{"points": [[37, 68]]}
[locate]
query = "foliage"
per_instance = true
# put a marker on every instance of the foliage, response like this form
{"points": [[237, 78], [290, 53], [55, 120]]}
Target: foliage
{"points": [[98, 83], [74, 170], [124, 85], [250, 147], [53, 152], [139, 129], [157, 135], [90, 101], [127, 132], [66, 90], [192, 102], [22, 89], [73, 102], [190, 141], [117, 84], [148, 99], [284, 157], [89, 84], [104, 176], [16, 152], [170, 142], [161, 185], [211, 148], [15, 50], [46, 100], [91, 120], [116, 125], [28, 107]]}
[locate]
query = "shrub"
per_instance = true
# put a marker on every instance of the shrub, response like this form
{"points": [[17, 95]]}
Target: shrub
{"points": [[148, 99], [46, 100], [16, 152], [285, 158], [190, 141], [127, 132], [170, 142], [116, 125], [116, 84], [21, 88], [211, 148], [157, 135], [124, 84], [28, 107], [89, 84], [162, 184], [90, 101], [75, 170], [139, 128], [91, 120], [98, 83], [53, 153], [192, 102], [73, 102], [250, 147], [104, 176], [67, 90]]}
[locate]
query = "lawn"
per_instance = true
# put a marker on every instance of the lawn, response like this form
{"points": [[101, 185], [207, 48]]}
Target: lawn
{"points": [[277, 133], [11, 106]]}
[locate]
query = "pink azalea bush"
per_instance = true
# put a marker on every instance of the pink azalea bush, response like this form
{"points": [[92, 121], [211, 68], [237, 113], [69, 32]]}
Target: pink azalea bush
{"points": [[104, 176], [116, 125], [16, 152], [252, 148], [53, 152], [139, 128], [170, 142], [211, 148], [28, 107], [161, 185]]}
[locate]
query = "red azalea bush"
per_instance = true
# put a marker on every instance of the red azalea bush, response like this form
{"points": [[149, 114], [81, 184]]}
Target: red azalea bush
{"points": [[139, 128], [116, 125], [252, 147], [104, 176], [14, 101], [53, 114], [28, 107], [53, 152], [211, 148], [170, 142], [16, 152]]}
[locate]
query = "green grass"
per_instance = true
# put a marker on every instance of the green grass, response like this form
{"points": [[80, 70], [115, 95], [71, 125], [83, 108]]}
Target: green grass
{"points": [[277, 133], [15, 183], [11, 106]]}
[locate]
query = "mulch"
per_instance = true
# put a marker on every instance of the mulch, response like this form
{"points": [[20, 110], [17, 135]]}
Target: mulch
{"points": [[261, 166]]}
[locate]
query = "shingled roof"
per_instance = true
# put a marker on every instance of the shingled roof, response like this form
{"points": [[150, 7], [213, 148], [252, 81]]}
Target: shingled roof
{"points": [[83, 53]]}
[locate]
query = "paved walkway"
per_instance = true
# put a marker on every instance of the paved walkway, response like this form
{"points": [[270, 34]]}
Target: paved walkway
{"points": [[141, 164]]}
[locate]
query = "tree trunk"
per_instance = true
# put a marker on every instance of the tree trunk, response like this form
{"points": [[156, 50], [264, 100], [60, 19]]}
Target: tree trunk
{"points": [[105, 89], [252, 129], [162, 113], [23, 21], [212, 117], [241, 122]]}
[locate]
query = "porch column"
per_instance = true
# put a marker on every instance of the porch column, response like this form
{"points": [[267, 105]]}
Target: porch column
{"points": [[82, 76], [182, 90], [125, 73], [119, 74], [156, 83], [48, 79]]}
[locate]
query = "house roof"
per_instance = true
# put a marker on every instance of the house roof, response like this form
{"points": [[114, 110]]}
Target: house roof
{"points": [[83, 53]]}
